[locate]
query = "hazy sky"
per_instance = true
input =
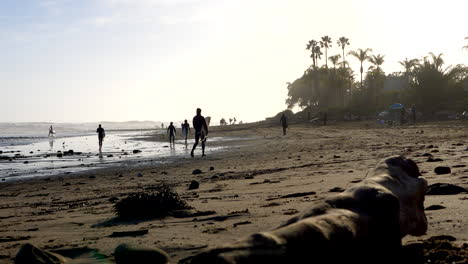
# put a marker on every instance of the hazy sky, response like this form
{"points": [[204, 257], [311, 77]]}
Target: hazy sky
{"points": [[119, 60]]}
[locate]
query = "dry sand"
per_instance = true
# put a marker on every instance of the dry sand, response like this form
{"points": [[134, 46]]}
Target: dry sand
{"points": [[246, 185]]}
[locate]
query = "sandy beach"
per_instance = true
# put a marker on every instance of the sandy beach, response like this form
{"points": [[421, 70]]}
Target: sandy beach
{"points": [[248, 185]]}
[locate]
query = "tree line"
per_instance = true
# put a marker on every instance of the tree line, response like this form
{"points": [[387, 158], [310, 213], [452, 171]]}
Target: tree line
{"points": [[425, 83]]}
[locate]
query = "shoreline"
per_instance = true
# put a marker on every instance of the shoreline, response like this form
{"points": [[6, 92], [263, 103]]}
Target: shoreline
{"points": [[249, 178]]}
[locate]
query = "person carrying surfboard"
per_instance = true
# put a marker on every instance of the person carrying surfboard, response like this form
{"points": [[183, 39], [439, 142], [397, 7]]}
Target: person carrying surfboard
{"points": [[51, 131], [201, 131], [101, 135]]}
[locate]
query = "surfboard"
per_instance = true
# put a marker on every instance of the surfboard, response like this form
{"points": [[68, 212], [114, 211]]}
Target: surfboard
{"points": [[207, 120]]}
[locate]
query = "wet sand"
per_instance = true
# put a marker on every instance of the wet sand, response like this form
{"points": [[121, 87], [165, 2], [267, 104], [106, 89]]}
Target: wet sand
{"points": [[247, 184]]}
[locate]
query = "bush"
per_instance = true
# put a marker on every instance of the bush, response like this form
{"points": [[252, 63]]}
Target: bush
{"points": [[156, 204]]}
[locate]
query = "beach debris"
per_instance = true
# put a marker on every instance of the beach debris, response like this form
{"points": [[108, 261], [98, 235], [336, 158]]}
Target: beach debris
{"points": [[196, 171], [434, 207], [110, 156], [291, 211], [129, 233], [437, 249], [298, 194], [29, 254], [59, 155], [241, 223], [444, 189], [434, 151], [426, 155], [362, 224], [336, 156], [193, 185], [222, 218], [211, 168], [214, 230], [459, 166], [190, 213], [127, 254], [431, 159], [92, 177], [139, 174], [442, 170], [26, 162], [13, 238], [156, 204], [135, 151], [336, 189]]}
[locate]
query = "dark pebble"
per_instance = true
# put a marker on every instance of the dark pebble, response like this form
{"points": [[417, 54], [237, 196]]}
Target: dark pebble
{"points": [[435, 207], [193, 185], [442, 170], [444, 189]]}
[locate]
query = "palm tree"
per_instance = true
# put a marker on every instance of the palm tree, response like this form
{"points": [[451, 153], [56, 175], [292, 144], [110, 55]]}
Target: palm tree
{"points": [[312, 47], [326, 43], [318, 53], [334, 59], [343, 42], [377, 60], [409, 65], [437, 60], [361, 55]]}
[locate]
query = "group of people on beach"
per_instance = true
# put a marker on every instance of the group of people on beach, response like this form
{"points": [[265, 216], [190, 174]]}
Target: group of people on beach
{"points": [[201, 132], [199, 124]]}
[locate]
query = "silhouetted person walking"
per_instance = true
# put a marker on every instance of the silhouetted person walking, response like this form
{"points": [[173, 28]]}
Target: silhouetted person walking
{"points": [[284, 123], [171, 130], [325, 118], [51, 131], [101, 135], [185, 130], [201, 130], [413, 113], [402, 116]]}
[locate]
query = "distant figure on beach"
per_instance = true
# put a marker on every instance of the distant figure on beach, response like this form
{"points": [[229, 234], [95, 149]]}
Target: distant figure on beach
{"points": [[222, 122], [171, 130], [413, 113], [51, 131], [325, 118], [162, 125], [402, 116], [101, 135], [185, 130], [284, 123], [201, 131]]}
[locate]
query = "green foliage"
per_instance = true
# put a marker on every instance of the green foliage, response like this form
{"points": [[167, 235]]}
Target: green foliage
{"points": [[320, 87], [424, 83], [436, 88], [156, 204]]}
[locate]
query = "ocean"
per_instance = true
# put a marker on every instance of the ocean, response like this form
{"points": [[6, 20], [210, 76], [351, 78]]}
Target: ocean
{"points": [[26, 151]]}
